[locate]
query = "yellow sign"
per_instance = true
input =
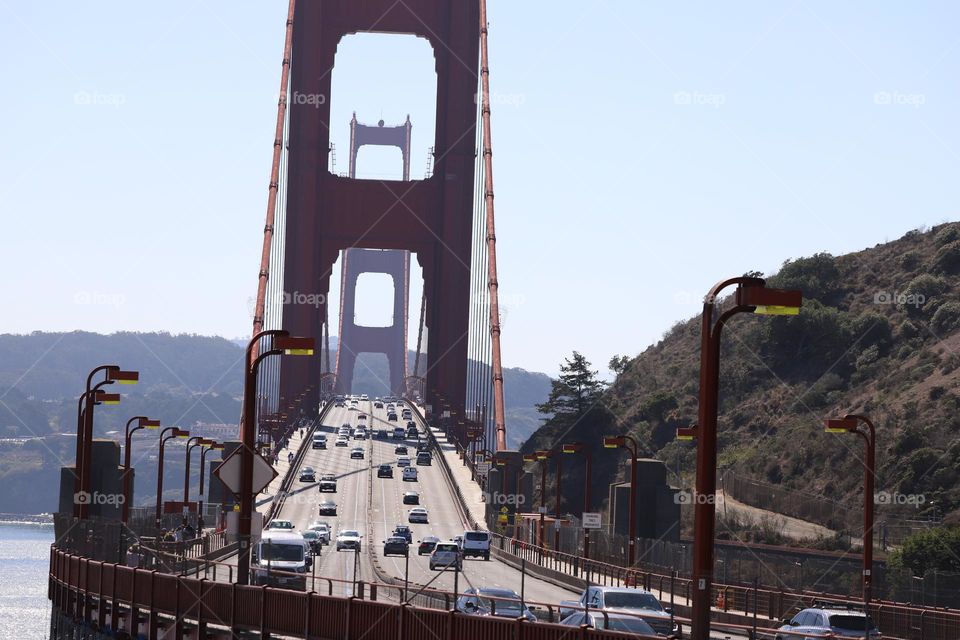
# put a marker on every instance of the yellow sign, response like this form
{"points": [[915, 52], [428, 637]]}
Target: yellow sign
{"points": [[502, 518]]}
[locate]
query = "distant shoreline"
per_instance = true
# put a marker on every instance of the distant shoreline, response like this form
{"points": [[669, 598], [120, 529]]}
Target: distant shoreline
{"points": [[27, 518]]}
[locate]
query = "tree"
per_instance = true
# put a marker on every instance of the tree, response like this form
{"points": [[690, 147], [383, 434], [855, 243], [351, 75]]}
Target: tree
{"points": [[618, 364], [575, 391], [937, 548]]}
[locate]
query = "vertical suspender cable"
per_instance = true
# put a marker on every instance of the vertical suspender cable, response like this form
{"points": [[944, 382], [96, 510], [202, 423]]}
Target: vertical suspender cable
{"points": [[491, 238]]}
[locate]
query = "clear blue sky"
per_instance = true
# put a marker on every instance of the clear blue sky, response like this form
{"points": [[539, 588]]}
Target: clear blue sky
{"points": [[643, 151]]}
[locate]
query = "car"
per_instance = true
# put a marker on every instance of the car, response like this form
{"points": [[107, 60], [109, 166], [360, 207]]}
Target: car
{"points": [[359, 434], [446, 555], [364, 396], [424, 458], [279, 525], [378, 405], [314, 540], [418, 515], [611, 621], [624, 600], [413, 434], [399, 433], [427, 545], [490, 601], [403, 461], [476, 544], [307, 474], [400, 450], [339, 404], [348, 539], [411, 497], [356, 452], [328, 508], [319, 441], [323, 529], [342, 442], [353, 407], [409, 474], [423, 446], [404, 532], [396, 546], [411, 425], [328, 483], [381, 434], [828, 619], [385, 471], [392, 417]]}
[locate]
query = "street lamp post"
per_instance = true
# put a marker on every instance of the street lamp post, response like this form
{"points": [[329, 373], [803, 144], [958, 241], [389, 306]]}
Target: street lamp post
{"points": [[579, 447], [174, 433], [143, 422], [542, 456], [282, 343], [851, 423], [113, 374], [191, 443], [214, 446], [628, 443], [84, 404], [752, 296]]}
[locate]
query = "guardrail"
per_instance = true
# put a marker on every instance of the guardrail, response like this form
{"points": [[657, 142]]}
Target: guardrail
{"points": [[103, 594]]}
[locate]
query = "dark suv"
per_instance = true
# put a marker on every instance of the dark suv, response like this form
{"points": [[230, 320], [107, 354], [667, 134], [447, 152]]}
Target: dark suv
{"points": [[384, 471]]}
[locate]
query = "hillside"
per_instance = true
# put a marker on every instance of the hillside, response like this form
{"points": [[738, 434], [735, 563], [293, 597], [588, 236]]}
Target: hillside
{"points": [[184, 380], [879, 334]]}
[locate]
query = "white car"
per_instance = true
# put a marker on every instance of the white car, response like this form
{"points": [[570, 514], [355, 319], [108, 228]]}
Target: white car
{"points": [[419, 515], [349, 539], [359, 434], [403, 461], [342, 441], [410, 474], [279, 525]]}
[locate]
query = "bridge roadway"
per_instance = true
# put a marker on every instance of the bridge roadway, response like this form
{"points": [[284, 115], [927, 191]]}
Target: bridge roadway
{"points": [[365, 501]]}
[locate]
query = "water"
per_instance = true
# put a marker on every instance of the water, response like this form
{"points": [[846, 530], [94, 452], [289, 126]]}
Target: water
{"points": [[24, 564]]}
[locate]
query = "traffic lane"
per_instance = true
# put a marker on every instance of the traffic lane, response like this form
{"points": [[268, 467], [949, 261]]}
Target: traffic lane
{"points": [[301, 506], [445, 523]]}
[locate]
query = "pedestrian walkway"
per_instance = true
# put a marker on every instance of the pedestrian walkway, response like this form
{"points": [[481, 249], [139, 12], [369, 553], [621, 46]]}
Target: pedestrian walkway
{"points": [[267, 496], [469, 489]]}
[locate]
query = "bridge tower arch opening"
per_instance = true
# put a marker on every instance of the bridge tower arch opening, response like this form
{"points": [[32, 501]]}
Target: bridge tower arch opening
{"points": [[327, 213]]}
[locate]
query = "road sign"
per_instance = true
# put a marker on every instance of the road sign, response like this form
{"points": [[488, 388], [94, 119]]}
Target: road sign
{"points": [[504, 510], [483, 468], [591, 520], [229, 472], [542, 509], [557, 524]]}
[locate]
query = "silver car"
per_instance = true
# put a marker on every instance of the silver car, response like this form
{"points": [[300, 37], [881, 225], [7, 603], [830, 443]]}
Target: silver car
{"points": [[446, 555]]}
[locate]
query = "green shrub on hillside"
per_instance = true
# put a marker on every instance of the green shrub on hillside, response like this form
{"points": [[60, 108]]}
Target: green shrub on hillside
{"points": [[946, 319], [949, 233], [910, 260], [947, 259], [937, 548], [818, 276], [921, 295]]}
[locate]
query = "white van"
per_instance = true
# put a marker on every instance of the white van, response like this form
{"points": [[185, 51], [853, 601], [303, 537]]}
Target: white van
{"points": [[409, 474], [477, 544], [281, 559], [319, 441]]}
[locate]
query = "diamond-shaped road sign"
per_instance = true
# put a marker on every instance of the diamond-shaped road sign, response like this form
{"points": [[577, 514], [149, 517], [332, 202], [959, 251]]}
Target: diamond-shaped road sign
{"points": [[229, 472]]}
